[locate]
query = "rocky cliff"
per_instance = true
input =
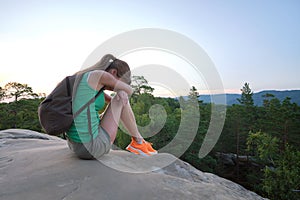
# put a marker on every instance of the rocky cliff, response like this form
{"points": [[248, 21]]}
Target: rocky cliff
{"points": [[36, 166]]}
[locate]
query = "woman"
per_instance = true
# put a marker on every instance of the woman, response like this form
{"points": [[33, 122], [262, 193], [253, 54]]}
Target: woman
{"points": [[90, 137]]}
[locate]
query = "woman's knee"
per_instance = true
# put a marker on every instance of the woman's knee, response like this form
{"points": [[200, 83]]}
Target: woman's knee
{"points": [[121, 98]]}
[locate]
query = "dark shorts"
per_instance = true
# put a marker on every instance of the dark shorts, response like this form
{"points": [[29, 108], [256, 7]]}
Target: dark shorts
{"points": [[93, 149]]}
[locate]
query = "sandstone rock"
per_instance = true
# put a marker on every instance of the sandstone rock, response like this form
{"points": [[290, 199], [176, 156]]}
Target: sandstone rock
{"points": [[37, 166]]}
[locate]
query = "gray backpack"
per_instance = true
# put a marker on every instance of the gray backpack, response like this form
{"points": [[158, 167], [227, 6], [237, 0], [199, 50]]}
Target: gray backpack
{"points": [[55, 112]]}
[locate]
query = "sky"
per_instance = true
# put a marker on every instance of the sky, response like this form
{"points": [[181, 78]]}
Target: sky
{"points": [[255, 41]]}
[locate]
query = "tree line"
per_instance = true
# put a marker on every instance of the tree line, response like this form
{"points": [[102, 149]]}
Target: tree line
{"points": [[268, 137], [264, 140]]}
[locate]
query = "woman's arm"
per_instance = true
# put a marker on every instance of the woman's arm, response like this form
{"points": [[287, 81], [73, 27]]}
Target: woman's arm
{"points": [[99, 79]]}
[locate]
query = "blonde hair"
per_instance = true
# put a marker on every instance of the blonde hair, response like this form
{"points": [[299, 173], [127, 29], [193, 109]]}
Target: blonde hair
{"points": [[107, 63], [103, 64]]}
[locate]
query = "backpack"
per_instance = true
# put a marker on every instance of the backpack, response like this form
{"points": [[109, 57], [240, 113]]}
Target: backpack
{"points": [[55, 112]]}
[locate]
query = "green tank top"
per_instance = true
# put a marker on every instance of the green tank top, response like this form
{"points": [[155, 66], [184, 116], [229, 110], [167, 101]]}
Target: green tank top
{"points": [[79, 130]]}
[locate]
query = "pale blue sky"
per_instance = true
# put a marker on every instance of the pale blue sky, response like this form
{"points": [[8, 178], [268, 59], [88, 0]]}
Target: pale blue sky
{"points": [[248, 41]]}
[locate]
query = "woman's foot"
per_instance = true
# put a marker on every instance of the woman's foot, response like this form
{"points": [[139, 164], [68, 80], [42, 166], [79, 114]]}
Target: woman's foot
{"points": [[150, 148], [143, 148]]}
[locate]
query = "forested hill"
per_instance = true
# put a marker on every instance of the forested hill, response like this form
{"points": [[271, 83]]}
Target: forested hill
{"points": [[259, 97]]}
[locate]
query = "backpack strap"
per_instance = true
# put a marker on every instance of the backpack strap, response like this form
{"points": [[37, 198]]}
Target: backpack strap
{"points": [[68, 86], [88, 103], [69, 91]]}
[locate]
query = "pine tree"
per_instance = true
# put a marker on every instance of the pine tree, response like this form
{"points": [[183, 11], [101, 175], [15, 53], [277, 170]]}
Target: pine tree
{"points": [[247, 96]]}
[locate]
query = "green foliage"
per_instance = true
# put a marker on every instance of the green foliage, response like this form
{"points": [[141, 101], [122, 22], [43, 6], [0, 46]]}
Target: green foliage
{"points": [[283, 180], [20, 114], [122, 139], [263, 147]]}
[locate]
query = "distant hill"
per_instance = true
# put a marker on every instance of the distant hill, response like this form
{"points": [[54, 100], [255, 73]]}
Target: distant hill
{"points": [[258, 97]]}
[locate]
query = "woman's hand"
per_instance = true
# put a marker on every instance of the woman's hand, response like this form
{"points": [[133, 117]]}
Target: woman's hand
{"points": [[122, 96]]}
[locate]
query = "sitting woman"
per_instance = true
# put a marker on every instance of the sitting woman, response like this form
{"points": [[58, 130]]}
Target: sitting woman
{"points": [[90, 136]]}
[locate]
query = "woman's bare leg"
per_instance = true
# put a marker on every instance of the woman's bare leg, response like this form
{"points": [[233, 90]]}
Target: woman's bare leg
{"points": [[129, 122], [111, 118]]}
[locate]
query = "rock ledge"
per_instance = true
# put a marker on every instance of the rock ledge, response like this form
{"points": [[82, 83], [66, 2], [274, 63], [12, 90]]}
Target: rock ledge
{"points": [[38, 166]]}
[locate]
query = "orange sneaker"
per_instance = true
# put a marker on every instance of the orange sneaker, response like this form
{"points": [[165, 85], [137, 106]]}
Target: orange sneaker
{"points": [[133, 150], [150, 148], [144, 149]]}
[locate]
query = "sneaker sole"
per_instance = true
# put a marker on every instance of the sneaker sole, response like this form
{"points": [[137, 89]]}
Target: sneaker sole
{"points": [[136, 151], [153, 153]]}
